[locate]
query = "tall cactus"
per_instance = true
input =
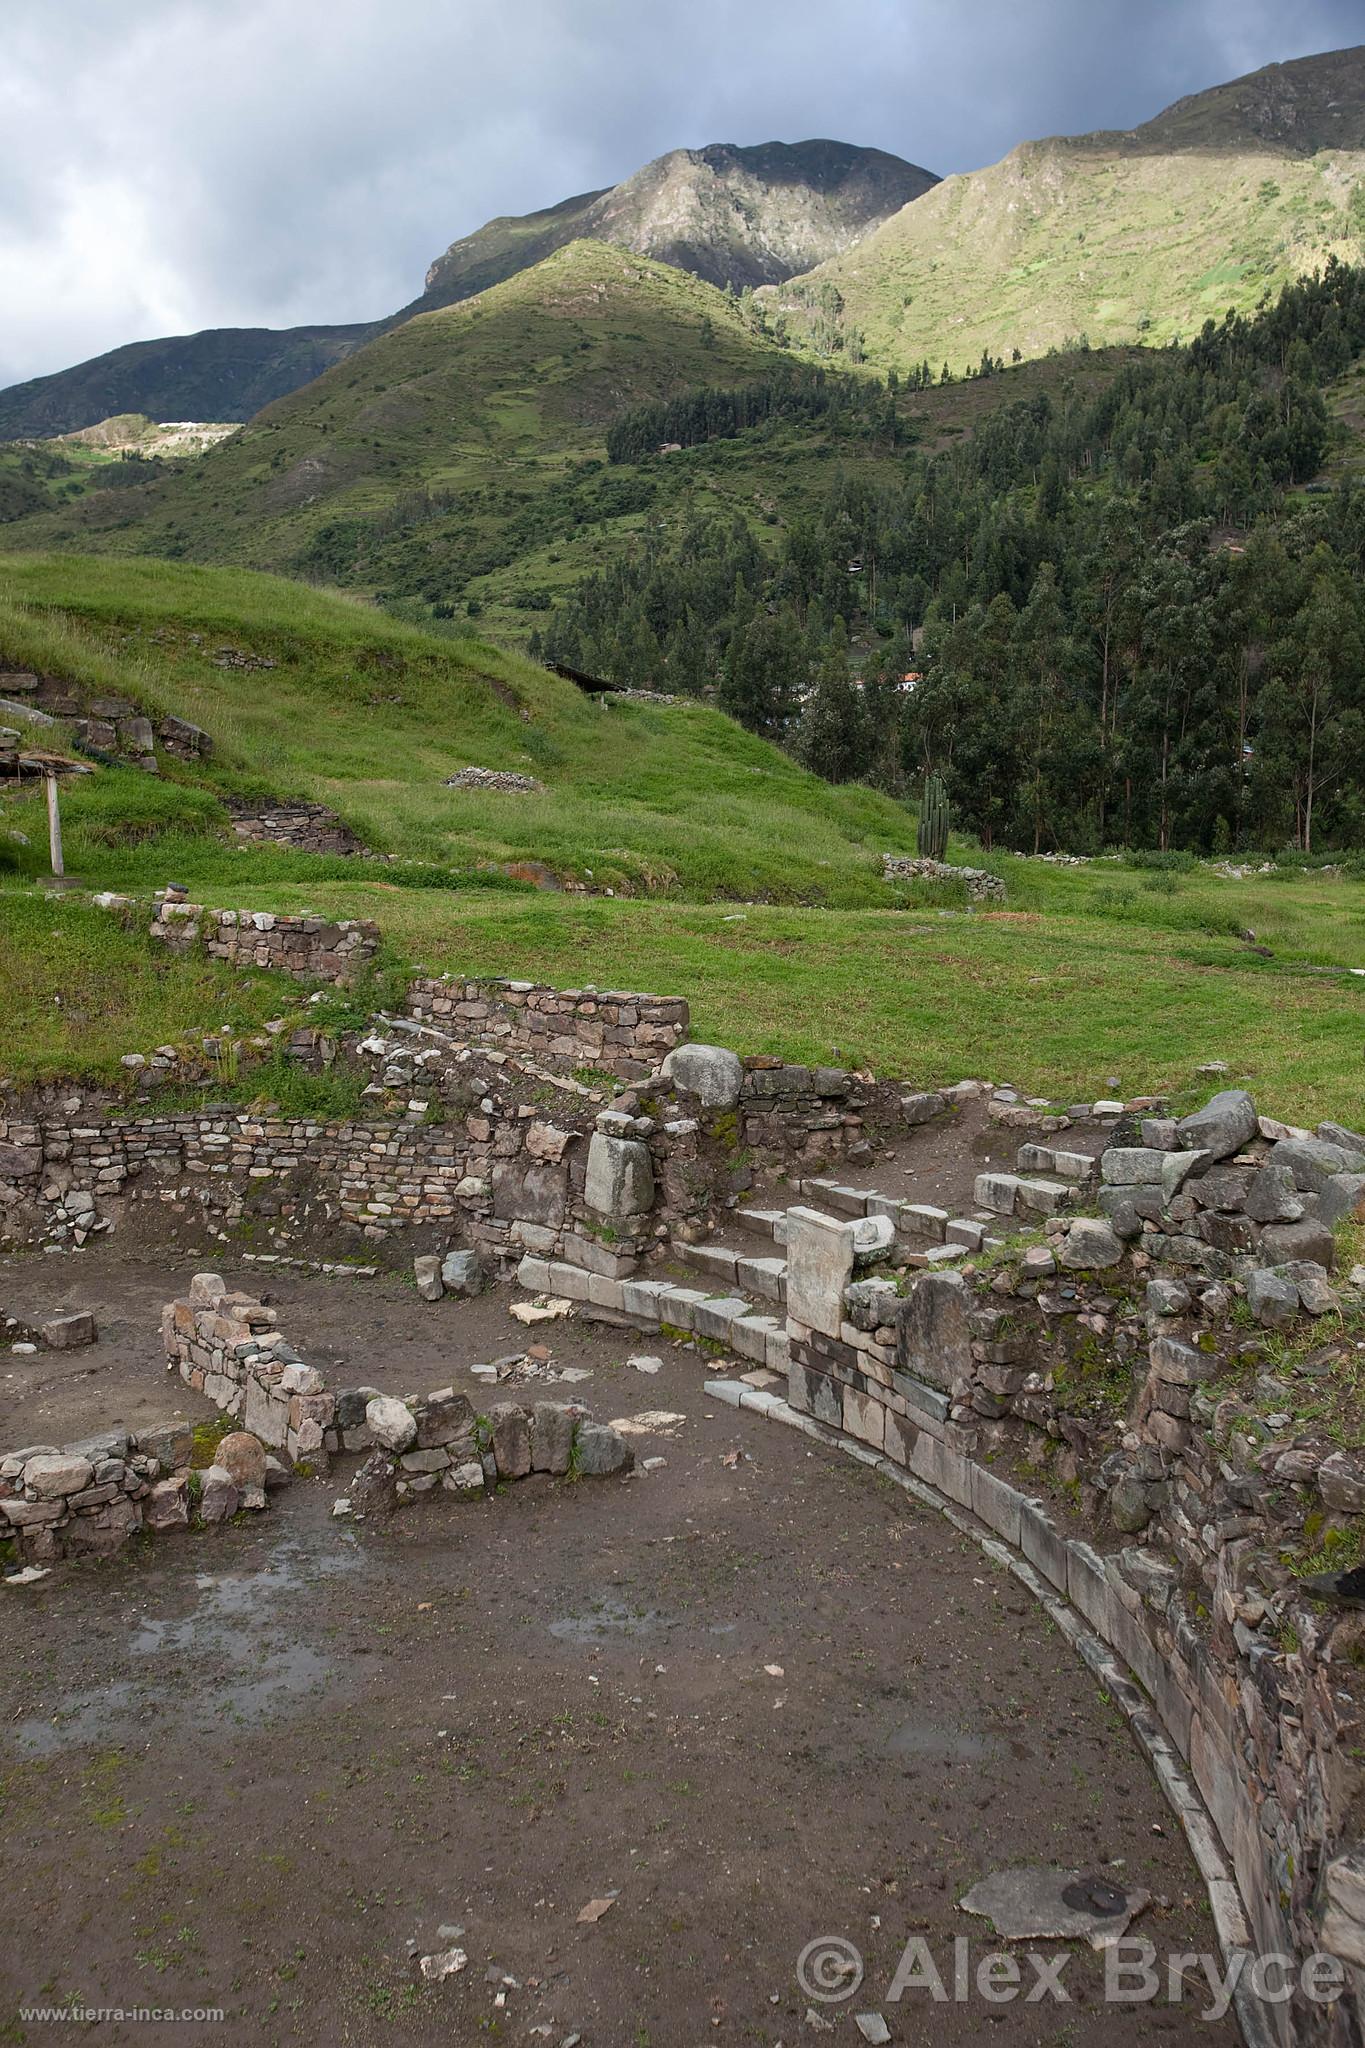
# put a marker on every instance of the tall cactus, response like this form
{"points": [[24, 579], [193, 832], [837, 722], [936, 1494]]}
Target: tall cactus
{"points": [[933, 819]]}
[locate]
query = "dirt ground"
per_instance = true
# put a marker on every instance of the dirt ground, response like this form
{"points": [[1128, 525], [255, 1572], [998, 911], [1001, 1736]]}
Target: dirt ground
{"points": [[749, 1703]]}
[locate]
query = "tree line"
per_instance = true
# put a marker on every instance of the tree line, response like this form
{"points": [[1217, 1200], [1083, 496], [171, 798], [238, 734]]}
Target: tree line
{"points": [[1108, 619]]}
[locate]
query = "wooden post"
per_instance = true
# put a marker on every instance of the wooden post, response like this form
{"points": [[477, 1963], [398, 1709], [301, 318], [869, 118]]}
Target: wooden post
{"points": [[54, 826]]}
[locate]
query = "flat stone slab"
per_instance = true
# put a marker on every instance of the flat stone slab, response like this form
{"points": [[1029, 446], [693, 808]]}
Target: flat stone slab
{"points": [[1040, 1902]]}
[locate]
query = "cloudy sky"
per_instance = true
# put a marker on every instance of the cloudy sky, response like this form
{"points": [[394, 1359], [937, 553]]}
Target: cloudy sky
{"points": [[167, 165]]}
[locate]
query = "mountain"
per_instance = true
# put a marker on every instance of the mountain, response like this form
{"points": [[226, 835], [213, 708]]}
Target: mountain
{"points": [[732, 216], [1116, 236], [225, 373]]}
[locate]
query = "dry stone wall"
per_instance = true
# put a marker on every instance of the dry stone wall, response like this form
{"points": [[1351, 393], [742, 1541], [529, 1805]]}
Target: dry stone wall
{"points": [[625, 1035], [102, 725], [309, 948], [86, 1499], [1112, 1366], [305, 827], [228, 1347]]}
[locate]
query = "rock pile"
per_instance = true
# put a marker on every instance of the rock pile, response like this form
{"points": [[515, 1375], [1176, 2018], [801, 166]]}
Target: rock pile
{"points": [[421, 1445], [1230, 1195], [507, 780]]}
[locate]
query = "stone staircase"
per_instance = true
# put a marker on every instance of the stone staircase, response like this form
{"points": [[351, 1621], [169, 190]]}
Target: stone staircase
{"points": [[1049, 1181], [945, 1237], [739, 1302], [729, 1320]]}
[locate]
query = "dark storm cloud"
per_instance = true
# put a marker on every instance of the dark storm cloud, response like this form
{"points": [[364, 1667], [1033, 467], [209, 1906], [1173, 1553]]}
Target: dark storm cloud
{"points": [[173, 164]]}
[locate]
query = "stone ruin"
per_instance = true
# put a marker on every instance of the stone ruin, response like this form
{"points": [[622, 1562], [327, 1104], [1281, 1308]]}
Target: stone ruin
{"points": [[1083, 1369], [102, 725], [980, 884]]}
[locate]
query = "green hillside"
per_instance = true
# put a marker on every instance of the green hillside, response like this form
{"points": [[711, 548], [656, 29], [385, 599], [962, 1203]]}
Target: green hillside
{"points": [[458, 463], [675, 803], [1117, 237], [483, 407], [370, 717]]}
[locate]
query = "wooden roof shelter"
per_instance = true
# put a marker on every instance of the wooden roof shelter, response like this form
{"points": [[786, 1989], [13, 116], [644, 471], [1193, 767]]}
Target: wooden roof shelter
{"points": [[49, 764]]}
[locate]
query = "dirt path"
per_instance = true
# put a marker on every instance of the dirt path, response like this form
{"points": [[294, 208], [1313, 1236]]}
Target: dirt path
{"points": [[262, 1767]]}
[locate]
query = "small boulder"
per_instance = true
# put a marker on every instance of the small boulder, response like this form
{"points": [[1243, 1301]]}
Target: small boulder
{"points": [[351, 1405], [242, 1456], [511, 1428], [1341, 1482], [1128, 1509], [552, 1427], [1225, 1123], [1282, 1243], [1273, 1196], [1344, 1195], [207, 1289], [1167, 1298], [69, 1332], [462, 1273], [1315, 1289], [1272, 1299], [464, 1481], [167, 1505], [218, 1494], [391, 1423], [1089, 1244], [712, 1073], [171, 1445], [374, 1489], [53, 1477], [426, 1271], [599, 1450], [869, 1304]]}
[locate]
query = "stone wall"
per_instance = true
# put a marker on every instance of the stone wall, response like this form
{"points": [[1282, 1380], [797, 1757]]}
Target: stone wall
{"points": [[102, 725], [1084, 1369], [87, 1499], [309, 948], [980, 884], [626, 1035], [227, 1346], [306, 828]]}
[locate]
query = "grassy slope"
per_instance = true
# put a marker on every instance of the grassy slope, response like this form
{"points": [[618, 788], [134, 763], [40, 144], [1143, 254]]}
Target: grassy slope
{"points": [[1042, 995], [81, 990], [1085, 237], [535, 509], [370, 716], [493, 398]]}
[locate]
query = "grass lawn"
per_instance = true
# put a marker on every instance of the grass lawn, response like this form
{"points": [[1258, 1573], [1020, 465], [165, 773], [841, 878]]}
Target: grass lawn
{"points": [[1061, 1004]]}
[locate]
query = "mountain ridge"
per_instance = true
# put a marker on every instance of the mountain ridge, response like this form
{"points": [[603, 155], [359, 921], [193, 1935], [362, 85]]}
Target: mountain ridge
{"points": [[724, 213], [1112, 237]]}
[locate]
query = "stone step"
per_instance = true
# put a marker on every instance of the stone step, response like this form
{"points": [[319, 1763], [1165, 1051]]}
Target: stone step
{"points": [[749, 1273], [1051, 1159], [912, 1219], [652, 1305], [1011, 1194], [768, 1223]]}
